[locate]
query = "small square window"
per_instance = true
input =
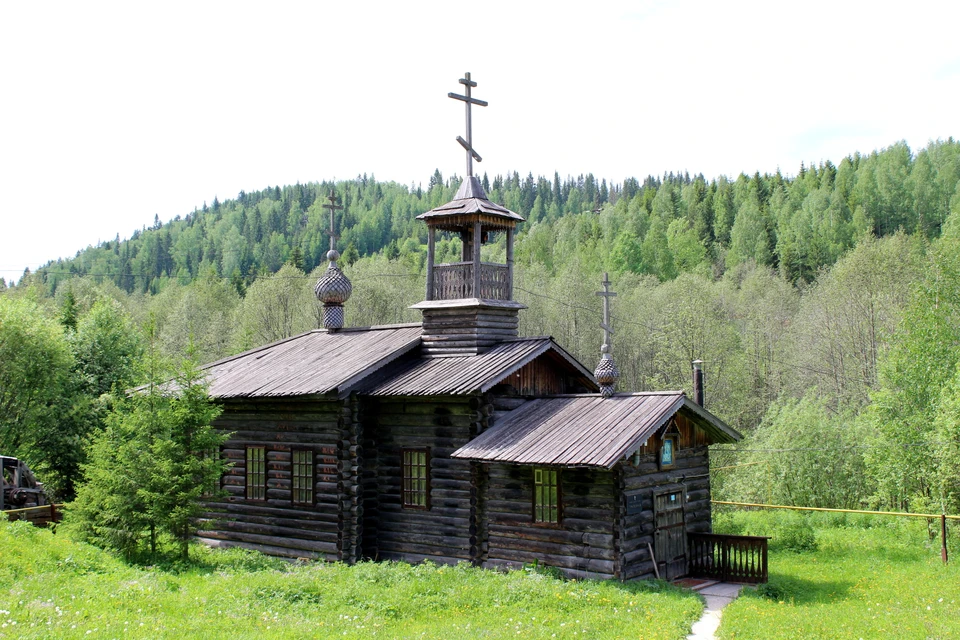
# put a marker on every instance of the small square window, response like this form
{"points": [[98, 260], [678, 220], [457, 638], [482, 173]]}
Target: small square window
{"points": [[546, 495], [256, 473], [415, 489], [302, 477]]}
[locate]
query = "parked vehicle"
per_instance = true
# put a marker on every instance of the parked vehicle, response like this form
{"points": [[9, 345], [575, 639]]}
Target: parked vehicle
{"points": [[20, 488]]}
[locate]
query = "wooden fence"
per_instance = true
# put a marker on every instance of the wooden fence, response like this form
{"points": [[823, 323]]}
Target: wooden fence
{"points": [[942, 517], [39, 516], [728, 558]]}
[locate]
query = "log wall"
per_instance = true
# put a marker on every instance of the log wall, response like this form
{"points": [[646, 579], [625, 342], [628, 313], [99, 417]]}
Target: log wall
{"points": [[447, 531], [582, 544], [639, 484], [275, 525]]}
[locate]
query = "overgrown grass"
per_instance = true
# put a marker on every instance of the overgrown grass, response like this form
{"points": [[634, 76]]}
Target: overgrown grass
{"points": [[864, 577], [52, 587]]}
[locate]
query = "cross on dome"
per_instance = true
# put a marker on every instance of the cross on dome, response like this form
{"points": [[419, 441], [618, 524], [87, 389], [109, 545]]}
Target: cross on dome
{"points": [[605, 325], [333, 207], [606, 373], [469, 100]]}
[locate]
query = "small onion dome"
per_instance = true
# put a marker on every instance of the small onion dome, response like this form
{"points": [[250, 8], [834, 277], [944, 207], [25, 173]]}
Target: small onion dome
{"points": [[333, 289], [606, 373]]}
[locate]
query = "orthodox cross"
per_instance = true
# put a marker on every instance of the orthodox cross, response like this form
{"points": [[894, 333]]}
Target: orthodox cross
{"points": [[607, 329], [333, 207], [468, 143]]}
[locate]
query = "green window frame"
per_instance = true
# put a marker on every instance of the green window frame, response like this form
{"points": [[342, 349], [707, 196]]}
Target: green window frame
{"points": [[212, 488], [546, 495], [415, 478], [302, 477], [256, 471]]}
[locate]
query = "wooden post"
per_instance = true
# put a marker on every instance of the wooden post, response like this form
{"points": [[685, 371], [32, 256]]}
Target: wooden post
{"points": [[943, 537], [509, 264], [431, 254], [656, 569], [476, 259]]}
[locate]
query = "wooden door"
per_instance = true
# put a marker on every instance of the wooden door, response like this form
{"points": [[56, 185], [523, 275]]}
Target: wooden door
{"points": [[670, 534]]}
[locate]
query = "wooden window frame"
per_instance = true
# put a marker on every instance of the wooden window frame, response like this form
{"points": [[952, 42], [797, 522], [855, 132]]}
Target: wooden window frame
{"points": [[674, 440], [250, 475], [311, 466], [212, 491], [410, 496], [537, 503]]}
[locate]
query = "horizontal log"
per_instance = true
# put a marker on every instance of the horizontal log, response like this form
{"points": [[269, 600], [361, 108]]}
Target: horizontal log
{"points": [[450, 420], [500, 544], [384, 404], [426, 407], [390, 506], [404, 550], [416, 558], [268, 550], [413, 518], [563, 561], [276, 439], [300, 533], [573, 574], [442, 542], [274, 541], [543, 534], [640, 556]]}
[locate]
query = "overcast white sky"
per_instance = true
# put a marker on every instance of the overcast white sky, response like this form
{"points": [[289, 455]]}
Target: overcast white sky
{"points": [[113, 112]]}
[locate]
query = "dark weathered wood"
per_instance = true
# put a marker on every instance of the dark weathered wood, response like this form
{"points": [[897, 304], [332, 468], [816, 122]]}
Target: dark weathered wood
{"points": [[728, 558]]}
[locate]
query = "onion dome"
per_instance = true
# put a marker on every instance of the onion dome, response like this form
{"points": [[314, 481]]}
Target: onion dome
{"points": [[333, 289], [606, 373]]}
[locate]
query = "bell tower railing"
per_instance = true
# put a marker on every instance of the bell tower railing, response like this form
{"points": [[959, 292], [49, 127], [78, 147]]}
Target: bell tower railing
{"points": [[455, 281]]}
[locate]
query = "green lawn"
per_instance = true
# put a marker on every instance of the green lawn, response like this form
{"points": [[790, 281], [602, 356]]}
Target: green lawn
{"points": [[868, 578], [52, 587]]}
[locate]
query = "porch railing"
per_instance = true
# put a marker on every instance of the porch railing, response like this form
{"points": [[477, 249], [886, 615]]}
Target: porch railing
{"points": [[728, 558], [455, 281]]}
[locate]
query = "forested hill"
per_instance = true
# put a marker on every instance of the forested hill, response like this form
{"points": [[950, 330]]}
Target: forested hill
{"points": [[660, 226]]}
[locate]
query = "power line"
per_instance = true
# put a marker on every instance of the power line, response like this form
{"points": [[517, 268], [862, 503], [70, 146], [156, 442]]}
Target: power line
{"points": [[849, 447]]}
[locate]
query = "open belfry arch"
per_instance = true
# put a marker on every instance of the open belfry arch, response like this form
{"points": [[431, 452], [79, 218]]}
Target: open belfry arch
{"points": [[455, 439]]}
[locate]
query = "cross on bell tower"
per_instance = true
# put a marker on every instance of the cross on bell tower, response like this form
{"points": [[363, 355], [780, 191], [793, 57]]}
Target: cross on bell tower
{"points": [[606, 373], [469, 100]]}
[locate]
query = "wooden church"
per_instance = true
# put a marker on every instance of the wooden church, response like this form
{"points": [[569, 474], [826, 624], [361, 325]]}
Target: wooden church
{"points": [[455, 439]]}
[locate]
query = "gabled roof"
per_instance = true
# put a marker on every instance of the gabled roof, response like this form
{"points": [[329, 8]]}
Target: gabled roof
{"points": [[586, 430], [319, 362], [475, 374]]}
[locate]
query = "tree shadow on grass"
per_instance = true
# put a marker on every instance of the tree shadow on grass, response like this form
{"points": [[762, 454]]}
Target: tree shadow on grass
{"points": [[801, 591]]}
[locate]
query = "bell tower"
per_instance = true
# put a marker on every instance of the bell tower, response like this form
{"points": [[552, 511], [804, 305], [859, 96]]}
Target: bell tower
{"points": [[469, 304]]}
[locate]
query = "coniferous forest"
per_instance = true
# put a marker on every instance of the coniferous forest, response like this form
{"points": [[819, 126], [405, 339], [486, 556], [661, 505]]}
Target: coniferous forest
{"points": [[825, 304]]}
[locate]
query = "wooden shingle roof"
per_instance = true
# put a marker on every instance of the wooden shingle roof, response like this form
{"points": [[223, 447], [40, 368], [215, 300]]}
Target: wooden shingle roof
{"points": [[470, 200], [319, 362], [586, 430], [474, 374]]}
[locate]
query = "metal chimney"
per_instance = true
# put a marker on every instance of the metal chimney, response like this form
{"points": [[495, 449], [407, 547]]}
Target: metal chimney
{"points": [[698, 382]]}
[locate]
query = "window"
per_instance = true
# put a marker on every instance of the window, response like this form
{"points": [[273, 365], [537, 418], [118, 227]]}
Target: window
{"points": [[546, 495], [668, 452], [302, 477], [415, 492], [256, 473], [213, 487]]}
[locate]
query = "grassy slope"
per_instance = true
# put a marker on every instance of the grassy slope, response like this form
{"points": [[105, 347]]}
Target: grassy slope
{"points": [[51, 586], [882, 581]]}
